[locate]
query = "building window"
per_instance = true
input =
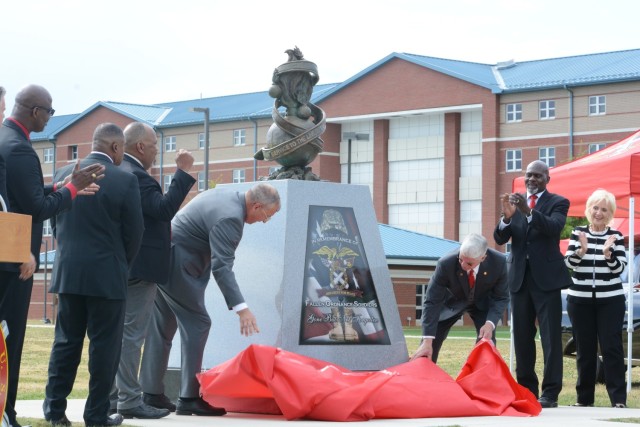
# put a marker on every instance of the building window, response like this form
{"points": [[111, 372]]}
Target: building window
{"points": [[514, 113], [421, 295], [547, 155], [201, 181], [597, 105], [514, 160], [238, 176], [73, 152], [169, 143], [167, 182], [201, 141], [47, 155], [596, 147], [273, 169], [547, 110], [46, 228], [238, 137]]}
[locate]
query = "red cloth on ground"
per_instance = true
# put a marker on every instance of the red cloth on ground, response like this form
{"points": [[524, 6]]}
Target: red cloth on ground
{"points": [[268, 380]]}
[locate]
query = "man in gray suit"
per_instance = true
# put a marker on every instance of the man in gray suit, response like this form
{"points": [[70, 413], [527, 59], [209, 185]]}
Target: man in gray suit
{"points": [[152, 263], [97, 242], [472, 280], [205, 235]]}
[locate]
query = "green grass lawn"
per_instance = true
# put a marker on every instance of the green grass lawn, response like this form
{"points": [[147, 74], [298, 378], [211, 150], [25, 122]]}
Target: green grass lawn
{"points": [[35, 360]]}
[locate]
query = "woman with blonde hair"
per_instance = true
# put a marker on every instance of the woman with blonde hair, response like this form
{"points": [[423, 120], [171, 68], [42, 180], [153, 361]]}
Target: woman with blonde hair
{"points": [[596, 300]]}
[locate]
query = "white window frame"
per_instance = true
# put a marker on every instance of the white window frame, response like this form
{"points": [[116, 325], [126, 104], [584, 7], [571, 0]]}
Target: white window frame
{"points": [[47, 155], [597, 105], [167, 181], [73, 152], [547, 155], [514, 113], [513, 160], [238, 176], [170, 143], [596, 147], [46, 228], [547, 110], [201, 181], [201, 141], [239, 137]]}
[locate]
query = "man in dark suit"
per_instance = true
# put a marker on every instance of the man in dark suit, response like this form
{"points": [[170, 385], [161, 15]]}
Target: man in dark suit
{"points": [[536, 275], [97, 242], [152, 262], [472, 280], [27, 195], [204, 238]]}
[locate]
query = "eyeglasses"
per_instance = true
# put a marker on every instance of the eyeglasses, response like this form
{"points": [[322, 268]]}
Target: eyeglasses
{"points": [[51, 111], [266, 218]]}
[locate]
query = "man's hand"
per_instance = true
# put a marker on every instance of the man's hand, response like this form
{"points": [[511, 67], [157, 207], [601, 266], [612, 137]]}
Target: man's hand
{"points": [[91, 190], [82, 178], [184, 160], [248, 324], [486, 332], [518, 201], [425, 349], [27, 268], [507, 208]]}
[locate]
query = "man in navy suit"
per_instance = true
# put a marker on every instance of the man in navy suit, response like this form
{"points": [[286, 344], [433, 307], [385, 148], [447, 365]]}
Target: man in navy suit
{"points": [[27, 194], [472, 280], [97, 242], [152, 263], [537, 273]]}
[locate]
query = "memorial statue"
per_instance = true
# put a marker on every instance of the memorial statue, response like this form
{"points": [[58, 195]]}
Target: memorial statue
{"points": [[293, 140]]}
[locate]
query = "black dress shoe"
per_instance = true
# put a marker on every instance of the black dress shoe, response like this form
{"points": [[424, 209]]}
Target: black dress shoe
{"points": [[62, 422], [144, 412], [197, 406], [158, 401], [114, 420], [547, 402]]}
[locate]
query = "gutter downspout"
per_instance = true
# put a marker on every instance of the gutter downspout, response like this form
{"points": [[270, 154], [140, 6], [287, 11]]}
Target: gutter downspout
{"points": [[255, 147], [570, 121], [161, 156]]}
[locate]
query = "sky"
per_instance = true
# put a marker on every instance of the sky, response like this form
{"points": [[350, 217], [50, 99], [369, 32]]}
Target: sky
{"points": [[154, 51]]}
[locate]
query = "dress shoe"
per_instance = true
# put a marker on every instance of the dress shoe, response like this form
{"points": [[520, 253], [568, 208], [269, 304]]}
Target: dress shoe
{"points": [[583, 405], [62, 422], [158, 401], [197, 406], [547, 402], [114, 420], [619, 405], [144, 412]]}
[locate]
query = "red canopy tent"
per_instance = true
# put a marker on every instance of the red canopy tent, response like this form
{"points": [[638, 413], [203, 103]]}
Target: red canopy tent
{"points": [[617, 170]]}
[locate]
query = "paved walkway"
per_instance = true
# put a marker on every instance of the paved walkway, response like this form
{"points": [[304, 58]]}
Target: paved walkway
{"points": [[564, 416]]}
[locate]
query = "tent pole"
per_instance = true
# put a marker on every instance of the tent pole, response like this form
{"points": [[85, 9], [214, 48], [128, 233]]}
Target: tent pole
{"points": [[631, 280]]}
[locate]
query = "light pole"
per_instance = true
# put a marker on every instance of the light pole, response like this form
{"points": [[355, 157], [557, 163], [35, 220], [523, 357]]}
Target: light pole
{"points": [[204, 110]]}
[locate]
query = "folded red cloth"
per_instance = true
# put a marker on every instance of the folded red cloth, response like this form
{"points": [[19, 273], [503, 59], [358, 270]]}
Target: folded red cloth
{"points": [[268, 380]]}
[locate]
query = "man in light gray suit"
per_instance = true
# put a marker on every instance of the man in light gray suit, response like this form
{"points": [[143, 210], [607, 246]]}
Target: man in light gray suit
{"points": [[204, 238], [472, 280]]}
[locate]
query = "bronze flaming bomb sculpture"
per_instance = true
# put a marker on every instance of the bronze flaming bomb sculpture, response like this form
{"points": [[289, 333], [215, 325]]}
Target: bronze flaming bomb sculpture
{"points": [[293, 140]]}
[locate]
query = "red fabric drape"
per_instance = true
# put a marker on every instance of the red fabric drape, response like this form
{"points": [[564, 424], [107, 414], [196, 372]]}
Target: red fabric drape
{"points": [[268, 380]]}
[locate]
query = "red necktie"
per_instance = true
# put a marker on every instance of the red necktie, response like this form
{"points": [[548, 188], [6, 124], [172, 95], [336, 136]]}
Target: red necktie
{"points": [[472, 279], [532, 201]]}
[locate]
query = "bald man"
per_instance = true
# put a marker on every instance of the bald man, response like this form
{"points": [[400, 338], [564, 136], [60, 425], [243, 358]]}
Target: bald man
{"points": [[97, 242], [152, 263], [27, 195]]}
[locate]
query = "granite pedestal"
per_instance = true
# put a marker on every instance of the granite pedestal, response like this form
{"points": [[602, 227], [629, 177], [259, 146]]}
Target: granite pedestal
{"points": [[316, 278]]}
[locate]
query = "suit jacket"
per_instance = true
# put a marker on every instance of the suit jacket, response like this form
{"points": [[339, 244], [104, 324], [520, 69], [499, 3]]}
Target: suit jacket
{"points": [[448, 290], [26, 191], [99, 238], [152, 262], [538, 242], [3, 183], [208, 231]]}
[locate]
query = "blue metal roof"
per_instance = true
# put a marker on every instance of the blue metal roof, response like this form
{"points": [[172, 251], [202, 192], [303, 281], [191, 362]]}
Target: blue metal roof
{"points": [[404, 244], [53, 126]]}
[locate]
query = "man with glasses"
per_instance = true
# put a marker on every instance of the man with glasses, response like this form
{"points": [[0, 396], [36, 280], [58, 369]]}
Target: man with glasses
{"points": [[472, 280], [28, 196], [204, 238]]}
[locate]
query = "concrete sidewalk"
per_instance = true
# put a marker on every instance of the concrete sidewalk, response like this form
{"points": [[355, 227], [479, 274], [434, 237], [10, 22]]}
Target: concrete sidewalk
{"points": [[564, 416]]}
